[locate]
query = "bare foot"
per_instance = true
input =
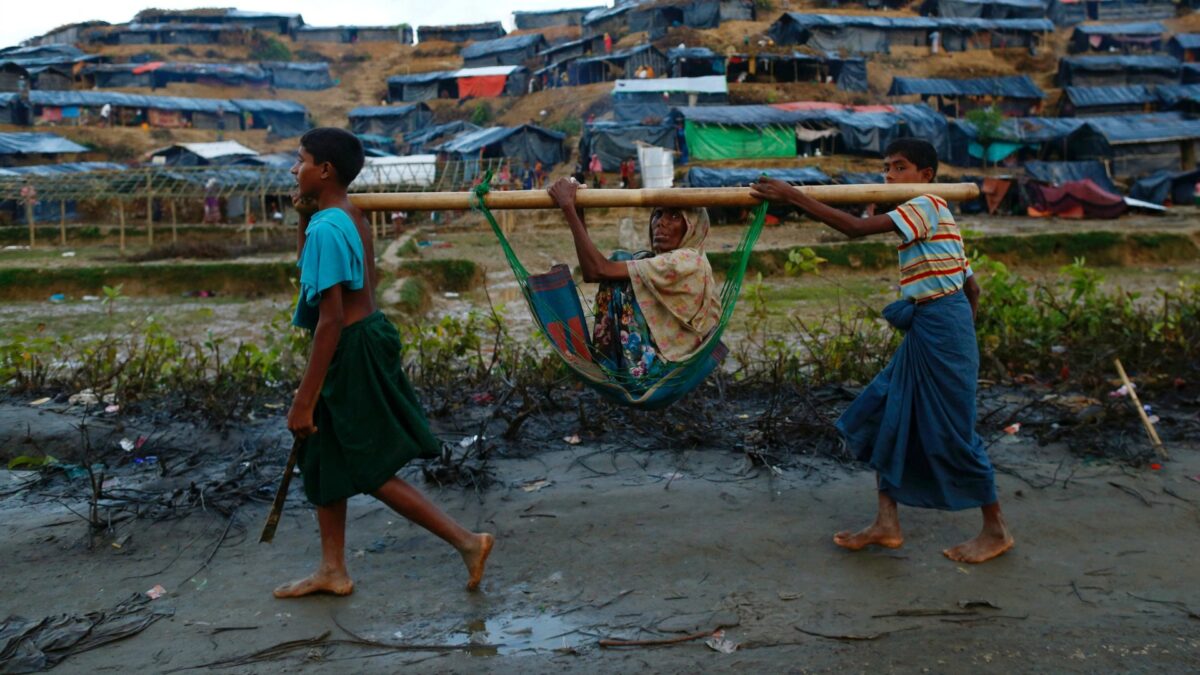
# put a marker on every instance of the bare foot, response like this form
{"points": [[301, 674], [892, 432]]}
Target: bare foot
{"points": [[322, 581], [880, 535], [985, 546], [476, 559]]}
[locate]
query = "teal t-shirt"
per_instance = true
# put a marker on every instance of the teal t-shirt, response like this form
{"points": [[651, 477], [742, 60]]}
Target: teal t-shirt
{"points": [[333, 254]]}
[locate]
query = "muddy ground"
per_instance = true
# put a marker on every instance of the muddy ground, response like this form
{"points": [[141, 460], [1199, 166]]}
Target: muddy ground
{"points": [[605, 540]]}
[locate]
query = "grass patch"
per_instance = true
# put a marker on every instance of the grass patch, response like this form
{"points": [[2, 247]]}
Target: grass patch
{"points": [[446, 275], [225, 278]]}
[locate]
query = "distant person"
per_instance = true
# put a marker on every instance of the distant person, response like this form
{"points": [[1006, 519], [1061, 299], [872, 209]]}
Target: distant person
{"points": [[681, 142], [212, 202], [595, 167], [106, 115], [355, 415], [608, 43], [539, 174], [627, 169], [504, 177], [914, 424]]}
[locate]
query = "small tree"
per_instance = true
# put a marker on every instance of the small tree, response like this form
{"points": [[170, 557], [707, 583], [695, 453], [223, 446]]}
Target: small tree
{"points": [[987, 123], [481, 115]]}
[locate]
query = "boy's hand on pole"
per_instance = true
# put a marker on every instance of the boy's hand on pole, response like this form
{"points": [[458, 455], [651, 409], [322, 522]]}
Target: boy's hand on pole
{"points": [[772, 190], [300, 421]]}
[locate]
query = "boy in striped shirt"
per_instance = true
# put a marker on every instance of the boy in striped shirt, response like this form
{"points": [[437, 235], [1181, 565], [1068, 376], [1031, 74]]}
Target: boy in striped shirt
{"points": [[914, 424]]}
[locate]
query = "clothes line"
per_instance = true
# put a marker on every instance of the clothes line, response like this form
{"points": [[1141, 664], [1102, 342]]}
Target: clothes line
{"points": [[670, 197]]}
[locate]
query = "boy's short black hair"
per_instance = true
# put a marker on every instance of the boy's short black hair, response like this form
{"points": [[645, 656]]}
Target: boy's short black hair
{"points": [[920, 152], [339, 147]]}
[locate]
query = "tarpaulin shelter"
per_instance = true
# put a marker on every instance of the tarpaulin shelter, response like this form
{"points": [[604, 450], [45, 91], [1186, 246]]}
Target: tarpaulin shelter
{"points": [[14, 110], [1100, 71], [1057, 173], [305, 76], [740, 177], [695, 62], [739, 10], [654, 98], [1181, 97], [467, 32], [201, 154], [1092, 101], [390, 120], [420, 86], [1021, 136], [282, 117], [526, 144], [49, 210], [401, 33], [1137, 145], [1185, 47], [1014, 96], [611, 20], [1143, 36], [1160, 187], [867, 34], [1076, 199], [282, 23], [985, 9], [417, 141], [1189, 73], [50, 77], [376, 145], [617, 64], [485, 82], [20, 146], [1071, 12], [572, 49], [656, 18], [133, 109], [848, 74], [616, 141], [739, 132], [13, 77], [572, 16], [175, 34], [506, 51]]}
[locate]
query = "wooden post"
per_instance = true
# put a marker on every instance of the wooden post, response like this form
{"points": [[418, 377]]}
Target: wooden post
{"points": [[246, 208], [149, 211], [174, 224], [62, 222], [1137, 403], [121, 223], [32, 225], [266, 221]]}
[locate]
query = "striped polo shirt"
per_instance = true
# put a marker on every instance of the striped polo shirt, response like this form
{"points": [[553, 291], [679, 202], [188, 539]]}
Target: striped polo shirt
{"points": [[932, 260]]}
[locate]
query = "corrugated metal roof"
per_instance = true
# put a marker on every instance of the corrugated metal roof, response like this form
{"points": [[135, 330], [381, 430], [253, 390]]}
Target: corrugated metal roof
{"points": [[35, 143], [1151, 128], [618, 54], [474, 140], [385, 110], [1088, 97], [1015, 87], [1125, 63], [277, 105], [60, 168], [807, 20], [1138, 28], [1187, 40], [1172, 94], [218, 149], [499, 45], [709, 84], [691, 53]]}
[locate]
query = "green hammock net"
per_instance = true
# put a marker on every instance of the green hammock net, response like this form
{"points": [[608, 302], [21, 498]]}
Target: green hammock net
{"points": [[554, 316]]}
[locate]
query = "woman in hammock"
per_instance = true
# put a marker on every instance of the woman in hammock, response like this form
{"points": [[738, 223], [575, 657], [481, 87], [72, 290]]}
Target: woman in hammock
{"points": [[654, 307]]}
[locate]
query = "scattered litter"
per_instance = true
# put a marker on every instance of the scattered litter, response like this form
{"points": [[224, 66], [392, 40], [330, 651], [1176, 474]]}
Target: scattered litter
{"points": [[121, 541], [673, 476], [787, 596], [200, 584], [273, 406], [450, 294], [1058, 349], [1156, 466], [157, 592], [1154, 419], [57, 297], [16, 248], [534, 485], [972, 604], [109, 398], [434, 244], [1012, 428], [573, 439], [85, 397], [127, 445], [200, 294], [68, 254], [1123, 391], [151, 459], [112, 408], [30, 461], [483, 398], [399, 635], [90, 298], [718, 643], [41, 401], [471, 440]]}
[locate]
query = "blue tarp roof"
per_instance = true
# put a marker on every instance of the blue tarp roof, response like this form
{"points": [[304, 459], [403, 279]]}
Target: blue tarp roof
{"points": [[1087, 97], [746, 115], [505, 44], [704, 177], [1057, 173], [1172, 94], [425, 135], [1139, 28], [617, 55], [1014, 87], [806, 20], [1108, 63], [385, 110], [691, 53], [305, 66], [420, 78], [276, 105], [1024, 4], [1187, 40], [99, 98], [58, 169], [42, 51], [563, 46], [27, 143], [1029, 130], [1150, 128], [607, 12], [472, 141]]}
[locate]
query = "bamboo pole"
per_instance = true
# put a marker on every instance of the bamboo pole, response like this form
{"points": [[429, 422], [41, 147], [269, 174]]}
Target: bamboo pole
{"points": [[246, 208], [670, 197], [62, 222], [121, 222], [29, 218], [174, 223], [1137, 403], [149, 210]]}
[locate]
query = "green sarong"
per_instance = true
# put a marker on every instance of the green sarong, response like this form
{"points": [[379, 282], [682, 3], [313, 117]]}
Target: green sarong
{"points": [[369, 421]]}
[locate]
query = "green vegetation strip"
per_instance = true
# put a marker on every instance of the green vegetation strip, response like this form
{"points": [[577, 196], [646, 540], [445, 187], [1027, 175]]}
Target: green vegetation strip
{"points": [[227, 278], [1099, 248]]}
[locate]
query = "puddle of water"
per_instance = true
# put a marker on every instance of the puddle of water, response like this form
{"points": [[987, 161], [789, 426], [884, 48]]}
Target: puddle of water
{"points": [[509, 634]]}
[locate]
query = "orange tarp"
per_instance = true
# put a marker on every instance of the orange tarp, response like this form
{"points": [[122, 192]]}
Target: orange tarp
{"points": [[485, 86]]}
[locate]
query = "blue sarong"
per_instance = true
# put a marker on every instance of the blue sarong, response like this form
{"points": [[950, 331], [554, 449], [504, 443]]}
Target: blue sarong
{"points": [[915, 423]]}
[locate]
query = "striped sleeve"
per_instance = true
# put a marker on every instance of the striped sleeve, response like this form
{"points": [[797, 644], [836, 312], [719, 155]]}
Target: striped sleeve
{"points": [[916, 219]]}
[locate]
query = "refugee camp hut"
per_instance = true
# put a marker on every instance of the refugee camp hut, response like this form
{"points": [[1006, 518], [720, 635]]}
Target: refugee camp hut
{"points": [[200, 154], [1119, 100], [1019, 139], [551, 17], [420, 86], [14, 77], [375, 145], [70, 34], [739, 132], [526, 145], [832, 32], [176, 34], [848, 73], [1181, 97], [1101, 71], [654, 98], [22, 147], [488, 82], [1189, 73], [51, 77], [14, 110], [739, 10], [614, 141], [334, 34], [564, 52], [280, 116], [1057, 173], [417, 141], [513, 50], [353, 34], [610, 20], [271, 22], [658, 16], [1137, 145], [985, 9], [1071, 12], [695, 62], [462, 32], [390, 120], [1185, 47], [622, 63], [1015, 96], [1167, 187], [214, 74], [1145, 36], [305, 76]]}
